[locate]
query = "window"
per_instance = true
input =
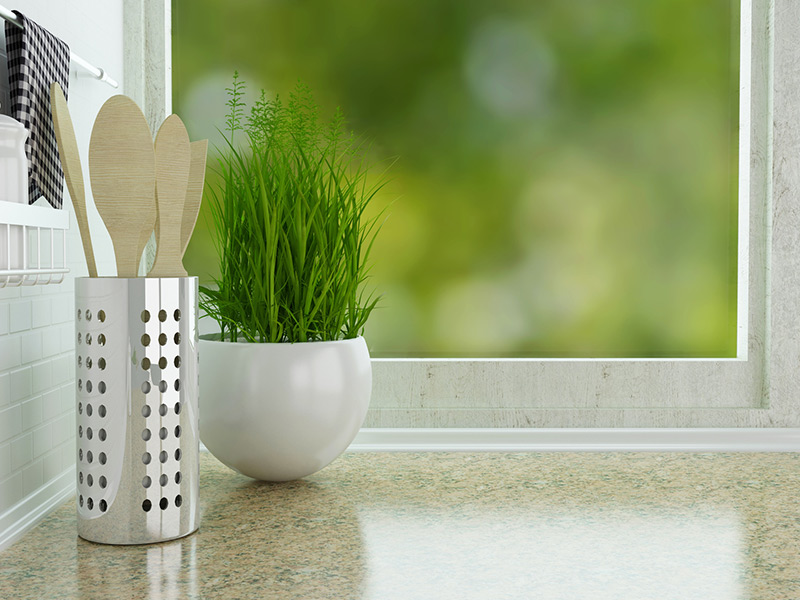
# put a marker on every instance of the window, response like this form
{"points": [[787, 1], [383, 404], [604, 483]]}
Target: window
{"points": [[755, 388], [565, 182]]}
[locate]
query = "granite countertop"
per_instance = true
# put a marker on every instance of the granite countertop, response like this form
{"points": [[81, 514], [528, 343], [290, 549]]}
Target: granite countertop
{"points": [[449, 525]]}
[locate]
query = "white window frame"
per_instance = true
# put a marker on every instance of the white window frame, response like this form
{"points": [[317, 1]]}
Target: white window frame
{"points": [[758, 388]]}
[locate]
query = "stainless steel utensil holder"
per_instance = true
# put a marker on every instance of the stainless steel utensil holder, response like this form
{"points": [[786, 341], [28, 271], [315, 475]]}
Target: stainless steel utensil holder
{"points": [[137, 390]]}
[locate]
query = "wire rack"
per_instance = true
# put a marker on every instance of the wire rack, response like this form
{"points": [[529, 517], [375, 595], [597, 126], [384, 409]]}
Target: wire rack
{"points": [[33, 245]]}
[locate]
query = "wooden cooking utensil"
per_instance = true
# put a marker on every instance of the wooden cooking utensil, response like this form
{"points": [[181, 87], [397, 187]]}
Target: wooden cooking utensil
{"points": [[122, 170], [173, 159], [71, 163], [194, 192], [145, 239]]}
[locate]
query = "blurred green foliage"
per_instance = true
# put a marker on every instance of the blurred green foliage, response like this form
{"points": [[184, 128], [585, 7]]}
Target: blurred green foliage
{"points": [[566, 176]]}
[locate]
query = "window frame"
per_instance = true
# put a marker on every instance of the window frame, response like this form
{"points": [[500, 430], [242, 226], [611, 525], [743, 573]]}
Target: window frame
{"points": [[755, 389]]}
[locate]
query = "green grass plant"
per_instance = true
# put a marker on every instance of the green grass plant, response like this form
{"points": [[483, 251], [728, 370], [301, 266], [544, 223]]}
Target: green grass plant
{"points": [[290, 223]]}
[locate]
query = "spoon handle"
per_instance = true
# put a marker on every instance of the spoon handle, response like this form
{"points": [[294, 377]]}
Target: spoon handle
{"points": [[173, 159], [194, 192], [71, 163]]}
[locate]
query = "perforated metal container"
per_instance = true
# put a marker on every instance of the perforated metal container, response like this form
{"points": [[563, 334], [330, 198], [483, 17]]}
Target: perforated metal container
{"points": [[137, 423]]}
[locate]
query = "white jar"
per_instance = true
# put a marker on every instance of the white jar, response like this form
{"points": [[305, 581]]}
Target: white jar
{"points": [[13, 188]]}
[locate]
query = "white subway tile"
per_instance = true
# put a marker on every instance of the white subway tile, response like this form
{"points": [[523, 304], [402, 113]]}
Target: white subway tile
{"points": [[68, 287], [54, 290], [51, 465], [21, 451], [68, 401], [68, 338], [42, 376], [31, 344], [63, 368], [61, 289], [5, 389], [51, 404], [32, 478], [42, 440], [51, 342], [41, 312], [20, 316], [69, 454], [5, 460], [11, 491], [10, 352], [9, 293], [20, 383], [10, 422], [31, 413], [62, 310], [3, 319], [63, 428], [31, 291]]}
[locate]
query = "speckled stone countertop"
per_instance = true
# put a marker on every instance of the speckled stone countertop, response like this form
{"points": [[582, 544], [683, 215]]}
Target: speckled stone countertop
{"points": [[439, 526]]}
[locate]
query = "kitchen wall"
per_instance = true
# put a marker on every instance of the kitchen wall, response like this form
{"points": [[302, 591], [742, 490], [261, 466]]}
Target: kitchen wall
{"points": [[37, 346]]}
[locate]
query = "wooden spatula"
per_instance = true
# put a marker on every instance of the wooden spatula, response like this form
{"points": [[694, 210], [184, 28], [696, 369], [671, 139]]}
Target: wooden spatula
{"points": [[71, 163], [122, 169], [194, 192], [173, 159]]}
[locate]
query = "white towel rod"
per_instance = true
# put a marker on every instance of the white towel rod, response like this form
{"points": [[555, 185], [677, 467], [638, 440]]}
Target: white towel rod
{"points": [[96, 71]]}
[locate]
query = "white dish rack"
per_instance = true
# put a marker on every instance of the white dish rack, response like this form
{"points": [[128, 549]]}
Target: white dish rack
{"points": [[33, 244]]}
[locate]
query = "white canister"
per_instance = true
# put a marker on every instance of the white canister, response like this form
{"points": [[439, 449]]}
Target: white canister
{"points": [[13, 188]]}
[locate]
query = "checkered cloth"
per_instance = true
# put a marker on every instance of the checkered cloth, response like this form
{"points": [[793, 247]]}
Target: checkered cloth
{"points": [[36, 58]]}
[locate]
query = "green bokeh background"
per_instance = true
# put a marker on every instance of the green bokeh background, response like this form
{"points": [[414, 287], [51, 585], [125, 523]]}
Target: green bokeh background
{"points": [[564, 177]]}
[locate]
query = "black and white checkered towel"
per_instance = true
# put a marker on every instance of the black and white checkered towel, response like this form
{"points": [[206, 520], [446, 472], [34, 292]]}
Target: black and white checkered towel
{"points": [[36, 58]]}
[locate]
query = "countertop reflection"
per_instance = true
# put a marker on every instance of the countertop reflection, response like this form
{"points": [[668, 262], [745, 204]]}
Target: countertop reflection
{"points": [[440, 526]]}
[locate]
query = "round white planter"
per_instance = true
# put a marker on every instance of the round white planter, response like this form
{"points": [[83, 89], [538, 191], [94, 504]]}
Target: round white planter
{"points": [[279, 412]]}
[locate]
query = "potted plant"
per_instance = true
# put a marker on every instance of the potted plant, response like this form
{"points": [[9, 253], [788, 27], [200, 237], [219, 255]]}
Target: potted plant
{"points": [[285, 384]]}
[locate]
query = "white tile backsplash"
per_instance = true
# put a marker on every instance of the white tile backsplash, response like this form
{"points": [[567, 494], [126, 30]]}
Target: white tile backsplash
{"points": [[51, 342], [12, 489], [5, 389], [67, 335], [20, 384], [62, 311], [21, 451], [64, 429], [42, 376], [51, 464], [31, 413], [10, 352], [20, 319], [42, 440], [42, 312], [10, 423], [32, 478], [67, 394], [3, 319], [62, 369], [5, 460], [51, 404], [31, 344], [37, 394], [30, 292]]}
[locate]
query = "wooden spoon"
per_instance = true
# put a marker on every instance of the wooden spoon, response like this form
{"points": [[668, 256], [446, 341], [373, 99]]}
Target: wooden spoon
{"points": [[173, 160], [194, 192], [122, 170], [71, 163]]}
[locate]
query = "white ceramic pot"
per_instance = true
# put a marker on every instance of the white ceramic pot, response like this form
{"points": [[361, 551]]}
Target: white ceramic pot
{"points": [[279, 412]]}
